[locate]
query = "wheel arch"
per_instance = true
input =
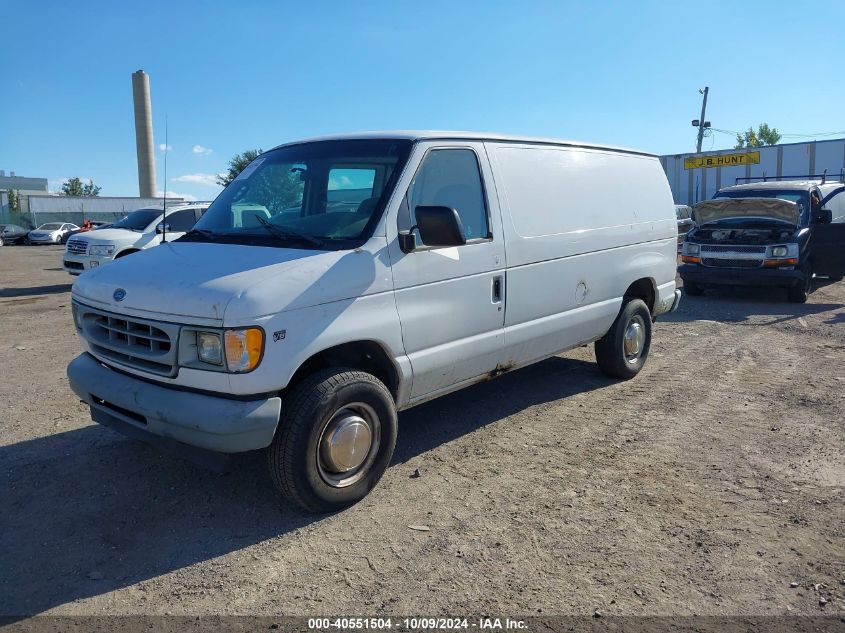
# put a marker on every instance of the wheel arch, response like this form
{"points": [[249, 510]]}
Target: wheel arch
{"points": [[364, 355], [643, 288]]}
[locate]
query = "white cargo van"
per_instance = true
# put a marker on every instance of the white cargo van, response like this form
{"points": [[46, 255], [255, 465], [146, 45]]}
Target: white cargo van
{"points": [[339, 280]]}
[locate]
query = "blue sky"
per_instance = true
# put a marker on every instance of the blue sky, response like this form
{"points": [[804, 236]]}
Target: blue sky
{"points": [[238, 75]]}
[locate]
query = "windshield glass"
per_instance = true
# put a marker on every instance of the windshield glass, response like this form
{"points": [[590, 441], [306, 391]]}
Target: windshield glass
{"points": [[53, 226], [800, 197], [137, 220], [326, 194]]}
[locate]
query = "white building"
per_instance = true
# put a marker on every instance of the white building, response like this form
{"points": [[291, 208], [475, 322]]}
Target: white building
{"points": [[695, 177]]}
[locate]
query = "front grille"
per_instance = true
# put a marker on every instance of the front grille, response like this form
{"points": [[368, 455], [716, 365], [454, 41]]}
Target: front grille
{"points": [[74, 265], [731, 248], [731, 263], [138, 343], [77, 247]]}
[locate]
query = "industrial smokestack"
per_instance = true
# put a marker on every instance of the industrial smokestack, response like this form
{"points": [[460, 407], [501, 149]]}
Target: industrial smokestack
{"points": [[144, 134]]}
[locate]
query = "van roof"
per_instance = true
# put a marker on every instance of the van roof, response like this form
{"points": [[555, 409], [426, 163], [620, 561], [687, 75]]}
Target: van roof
{"points": [[798, 185], [443, 135]]}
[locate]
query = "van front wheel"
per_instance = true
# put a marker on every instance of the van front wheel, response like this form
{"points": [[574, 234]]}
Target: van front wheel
{"points": [[335, 439], [622, 352]]}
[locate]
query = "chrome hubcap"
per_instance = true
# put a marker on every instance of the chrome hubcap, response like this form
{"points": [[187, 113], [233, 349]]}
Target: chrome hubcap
{"points": [[348, 445], [634, 339]]}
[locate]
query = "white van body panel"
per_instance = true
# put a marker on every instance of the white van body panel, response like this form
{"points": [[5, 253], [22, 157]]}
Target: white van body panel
{"points": [[580, 226]]}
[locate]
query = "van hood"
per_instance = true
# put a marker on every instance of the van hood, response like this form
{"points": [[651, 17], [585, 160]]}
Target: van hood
{"points": [[746, 208], [211, 283]]}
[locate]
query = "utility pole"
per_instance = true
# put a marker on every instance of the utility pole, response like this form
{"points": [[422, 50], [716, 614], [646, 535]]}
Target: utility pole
{"points": [[701, 123]]}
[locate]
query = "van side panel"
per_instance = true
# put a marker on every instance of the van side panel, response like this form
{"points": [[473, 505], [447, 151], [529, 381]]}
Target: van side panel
{"points": [[581, 226]]}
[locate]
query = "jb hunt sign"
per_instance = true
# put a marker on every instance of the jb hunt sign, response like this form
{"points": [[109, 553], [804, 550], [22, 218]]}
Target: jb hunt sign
{"points": [[722, 160]]}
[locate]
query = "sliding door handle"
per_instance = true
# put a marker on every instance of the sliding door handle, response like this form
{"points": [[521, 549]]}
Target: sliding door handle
{"points": [[497, 289]]}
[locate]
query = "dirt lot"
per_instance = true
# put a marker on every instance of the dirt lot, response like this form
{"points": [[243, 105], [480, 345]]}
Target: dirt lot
{"points": [[706, 485]]}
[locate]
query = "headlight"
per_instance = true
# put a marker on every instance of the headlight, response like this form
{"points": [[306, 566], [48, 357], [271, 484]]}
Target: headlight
{"points": [[243, 348], [209, 348], [780, 251], [101, 249], [690, 249]]}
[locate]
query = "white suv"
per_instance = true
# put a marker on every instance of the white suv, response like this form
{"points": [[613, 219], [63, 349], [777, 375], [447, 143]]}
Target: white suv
{"points": [[139, 230]]}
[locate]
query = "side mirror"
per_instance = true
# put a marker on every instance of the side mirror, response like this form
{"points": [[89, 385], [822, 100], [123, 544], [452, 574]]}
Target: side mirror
{"points": [[822, 216], [438, 226], [162, 227]]}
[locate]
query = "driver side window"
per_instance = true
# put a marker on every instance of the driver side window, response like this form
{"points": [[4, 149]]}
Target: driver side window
{"points": [[450, 178]]}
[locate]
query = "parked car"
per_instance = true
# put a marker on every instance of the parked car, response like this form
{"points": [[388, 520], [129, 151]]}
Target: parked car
{"points": [[138, 231], [51, 233], [768, 234], [12, 234], [306, 332], [89, 225], [685, 223]]}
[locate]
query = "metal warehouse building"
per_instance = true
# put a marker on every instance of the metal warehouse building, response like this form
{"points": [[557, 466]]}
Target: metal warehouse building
{"points": [[697, 176]]}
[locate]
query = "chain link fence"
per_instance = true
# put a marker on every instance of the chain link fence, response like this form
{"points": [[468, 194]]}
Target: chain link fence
{"points": [[34, 220]]}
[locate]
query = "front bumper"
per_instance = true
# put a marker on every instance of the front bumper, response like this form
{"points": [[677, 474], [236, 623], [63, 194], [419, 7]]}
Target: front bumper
{"points": [[78, 264], [42, 240], [768, 277], [154, 412]]}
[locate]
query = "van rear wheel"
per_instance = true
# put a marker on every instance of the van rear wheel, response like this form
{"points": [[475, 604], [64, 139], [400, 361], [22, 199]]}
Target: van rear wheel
{"points": [[335, 439], [622, 352]]}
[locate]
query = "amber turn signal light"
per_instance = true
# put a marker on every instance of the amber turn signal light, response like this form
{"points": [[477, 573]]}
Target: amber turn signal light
{"points": [[775, 263]]}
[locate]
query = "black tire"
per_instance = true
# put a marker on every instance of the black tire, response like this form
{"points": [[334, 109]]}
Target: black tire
{"points": [[800, 291], [611, 354], [693, 289], [296, 456]]}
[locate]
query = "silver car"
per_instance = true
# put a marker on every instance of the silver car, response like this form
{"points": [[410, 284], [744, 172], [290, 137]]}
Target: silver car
{"points": [[51, 233]]}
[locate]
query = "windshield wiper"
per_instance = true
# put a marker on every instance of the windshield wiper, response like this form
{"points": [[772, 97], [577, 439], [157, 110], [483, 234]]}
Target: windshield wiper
{"points": [[287, 234], [209, 235]]}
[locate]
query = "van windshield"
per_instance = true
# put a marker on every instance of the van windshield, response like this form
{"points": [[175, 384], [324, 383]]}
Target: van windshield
{"points": [[138, 220], [799, 196], [325, 194]]}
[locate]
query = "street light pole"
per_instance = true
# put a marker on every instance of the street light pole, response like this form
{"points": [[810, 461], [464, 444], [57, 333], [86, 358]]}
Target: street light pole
{"points": [[701, 124]]}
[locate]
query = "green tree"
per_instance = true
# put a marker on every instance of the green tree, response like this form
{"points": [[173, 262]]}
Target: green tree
{"points": [[76, 188], [764, 135], [237, 165], [14, 201]]}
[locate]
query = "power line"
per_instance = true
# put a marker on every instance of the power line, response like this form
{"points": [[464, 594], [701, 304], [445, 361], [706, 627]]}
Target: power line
{"points": [[783, 135]]}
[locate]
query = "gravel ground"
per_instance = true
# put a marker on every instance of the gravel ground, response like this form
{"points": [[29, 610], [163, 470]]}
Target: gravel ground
{"points": [[710, 484]]}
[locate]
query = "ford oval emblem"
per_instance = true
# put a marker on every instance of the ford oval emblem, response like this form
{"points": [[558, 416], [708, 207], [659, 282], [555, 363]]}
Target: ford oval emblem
{"points": [[119, 294]]}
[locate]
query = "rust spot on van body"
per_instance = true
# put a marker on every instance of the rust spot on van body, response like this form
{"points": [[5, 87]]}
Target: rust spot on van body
{"points": [[501, 368]]}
